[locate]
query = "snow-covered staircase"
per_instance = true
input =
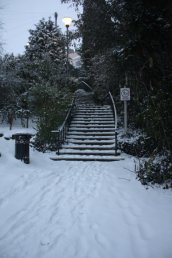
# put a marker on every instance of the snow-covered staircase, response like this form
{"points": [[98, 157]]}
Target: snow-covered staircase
{"points": [[91, 135]]}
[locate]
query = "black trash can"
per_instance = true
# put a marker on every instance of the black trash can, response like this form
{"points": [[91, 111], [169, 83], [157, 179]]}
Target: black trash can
{"points": [[22, 141], [1, 134]]}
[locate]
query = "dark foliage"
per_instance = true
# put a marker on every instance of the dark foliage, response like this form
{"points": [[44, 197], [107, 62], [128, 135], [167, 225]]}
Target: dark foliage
{"points": [[141, 147], [157, 170], [131, 46]]}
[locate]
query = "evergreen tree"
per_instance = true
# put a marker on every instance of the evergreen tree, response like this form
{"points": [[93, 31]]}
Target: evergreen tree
{"points": [[96, 29], [13, 86], [9, 81], [143, 53], [46, 51], [46, 39], [45, 60]]}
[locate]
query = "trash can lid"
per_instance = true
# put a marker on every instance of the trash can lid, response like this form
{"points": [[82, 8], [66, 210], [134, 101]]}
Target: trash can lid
{"points": [[21, 134]]}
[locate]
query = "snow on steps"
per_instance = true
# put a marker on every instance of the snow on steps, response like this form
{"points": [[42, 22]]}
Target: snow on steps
{"points": [[88, 141], [86, 158], [91, 116], [98, 126], [85, 134], [96, 119], [93, 129], [89, 147], [92, 122], [91, 135], [99, 114], [88, 152]]}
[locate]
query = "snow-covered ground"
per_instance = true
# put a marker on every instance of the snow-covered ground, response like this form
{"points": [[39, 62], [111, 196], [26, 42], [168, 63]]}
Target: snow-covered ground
{"points": [[69, 209]]}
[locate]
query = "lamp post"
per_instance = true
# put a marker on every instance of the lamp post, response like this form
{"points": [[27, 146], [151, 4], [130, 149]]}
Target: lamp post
{"points": [[67, 21]]}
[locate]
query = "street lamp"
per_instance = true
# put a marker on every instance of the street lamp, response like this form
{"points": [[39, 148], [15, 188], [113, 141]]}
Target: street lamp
{"points": [[67, 21]]}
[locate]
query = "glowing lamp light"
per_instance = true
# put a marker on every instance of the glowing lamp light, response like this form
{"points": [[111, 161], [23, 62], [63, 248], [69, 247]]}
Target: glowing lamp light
{"points": [[67, 21]]}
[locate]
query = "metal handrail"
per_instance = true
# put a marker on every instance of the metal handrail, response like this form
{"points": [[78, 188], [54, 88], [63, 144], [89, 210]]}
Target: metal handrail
{"points": [[62, 130], [88, 86], [114, 110], [115, 119]]}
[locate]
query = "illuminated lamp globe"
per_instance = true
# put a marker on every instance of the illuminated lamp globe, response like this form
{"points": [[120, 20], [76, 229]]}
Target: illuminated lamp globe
{"points": [[67, 21]]}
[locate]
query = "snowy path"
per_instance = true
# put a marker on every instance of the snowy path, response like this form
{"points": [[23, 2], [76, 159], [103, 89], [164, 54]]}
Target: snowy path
{"points": [[80, 210]]}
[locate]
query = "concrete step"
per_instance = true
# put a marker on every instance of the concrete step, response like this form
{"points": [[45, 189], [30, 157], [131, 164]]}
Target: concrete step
{"points": [[86, 158], [88, 147], [90, 106], [100, 116], [97, 117], [85, 134], [79, 112], [92, 122], [95, 110], [91, 126], [88, 142], [93, 129], [87, 152], [83, 108], [88, 137]]}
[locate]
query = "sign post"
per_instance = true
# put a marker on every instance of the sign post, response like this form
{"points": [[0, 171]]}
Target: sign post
{"points": [[125, 96]]}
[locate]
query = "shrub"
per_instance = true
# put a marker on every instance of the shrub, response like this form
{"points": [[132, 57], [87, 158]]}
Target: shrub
{"points": [[50, 109], [157, 169]]}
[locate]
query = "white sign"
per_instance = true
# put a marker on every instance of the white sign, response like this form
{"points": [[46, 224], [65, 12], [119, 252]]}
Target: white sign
{"points": [[125, 94]]}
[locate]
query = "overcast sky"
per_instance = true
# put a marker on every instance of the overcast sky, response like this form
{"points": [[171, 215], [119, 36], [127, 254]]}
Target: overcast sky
{"points": [[18, 16]]}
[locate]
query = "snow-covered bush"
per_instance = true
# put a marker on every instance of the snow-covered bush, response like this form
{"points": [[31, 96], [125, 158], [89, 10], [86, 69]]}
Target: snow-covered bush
{"points": [[154, 166], [138, 145], [157, 169]]}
